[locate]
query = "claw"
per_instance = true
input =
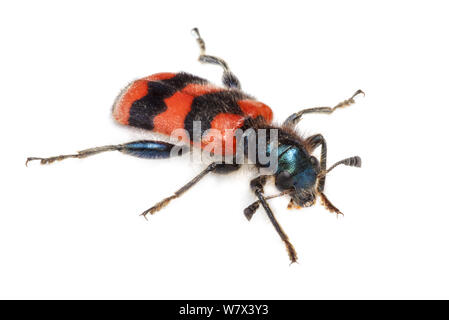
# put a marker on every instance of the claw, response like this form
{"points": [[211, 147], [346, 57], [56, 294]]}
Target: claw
{"points": [[42, 160], [152, 210], [28, 160], [158, 206], [53, 159], [357, 93], [291, 252], [144, 214], [196, 33]]}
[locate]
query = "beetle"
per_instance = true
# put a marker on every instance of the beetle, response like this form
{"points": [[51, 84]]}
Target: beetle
{"points": [[166, 102]]}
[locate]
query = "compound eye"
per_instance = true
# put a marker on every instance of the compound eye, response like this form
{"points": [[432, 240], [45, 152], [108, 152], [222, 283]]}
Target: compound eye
{"points": [[314, 161], [284, 180]]}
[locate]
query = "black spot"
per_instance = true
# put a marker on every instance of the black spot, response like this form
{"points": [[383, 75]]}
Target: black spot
{"points": [[182, 79], [144, 110], [206, 107]]}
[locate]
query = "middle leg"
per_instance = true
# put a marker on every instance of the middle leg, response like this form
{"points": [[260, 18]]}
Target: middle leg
{"points": [[213, 167], [294, 118], [229, 79]]}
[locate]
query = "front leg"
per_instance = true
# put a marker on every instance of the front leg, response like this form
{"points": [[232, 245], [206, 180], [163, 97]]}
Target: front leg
{"points": [[257, 185], [252, 208], [314, 142]]}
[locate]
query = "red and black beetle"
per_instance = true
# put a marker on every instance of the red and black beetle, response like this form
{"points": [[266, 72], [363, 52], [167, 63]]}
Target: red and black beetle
{"points": [[168, 102]]}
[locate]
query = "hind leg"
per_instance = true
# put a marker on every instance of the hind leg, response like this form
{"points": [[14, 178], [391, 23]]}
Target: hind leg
{"points": [[143, 149], [229, 79]]}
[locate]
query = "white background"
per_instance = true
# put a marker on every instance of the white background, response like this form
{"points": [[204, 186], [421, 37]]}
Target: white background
{"points": [[73, 230]]}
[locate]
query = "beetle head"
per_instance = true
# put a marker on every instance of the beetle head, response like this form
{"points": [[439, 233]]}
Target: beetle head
{"points": [[298, 172]]}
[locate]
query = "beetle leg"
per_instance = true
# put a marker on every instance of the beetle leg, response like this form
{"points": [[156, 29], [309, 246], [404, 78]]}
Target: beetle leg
{"points": [[158, 206], [229, 79], [143, 149], [257, 185], [313, 142], [295, 117], [252, 208], [328, 205]]}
